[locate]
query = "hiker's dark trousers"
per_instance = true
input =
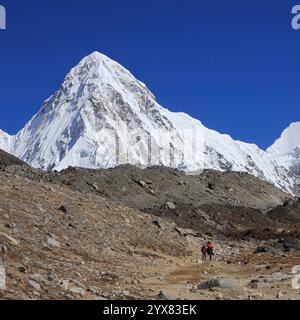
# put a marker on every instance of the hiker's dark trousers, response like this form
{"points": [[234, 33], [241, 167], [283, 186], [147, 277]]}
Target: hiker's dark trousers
{"points": [[210, 253]]}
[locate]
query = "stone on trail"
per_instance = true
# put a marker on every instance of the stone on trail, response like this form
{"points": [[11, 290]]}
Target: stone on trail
{"points": [[217, 283]]}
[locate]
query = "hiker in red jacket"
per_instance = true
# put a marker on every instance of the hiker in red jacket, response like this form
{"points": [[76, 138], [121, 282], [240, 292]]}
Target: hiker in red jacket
{"points": [[210, 249]]}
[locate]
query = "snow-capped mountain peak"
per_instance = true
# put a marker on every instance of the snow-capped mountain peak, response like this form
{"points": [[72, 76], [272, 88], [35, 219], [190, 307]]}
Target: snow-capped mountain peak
{"points": [[102, 116], [289, 140]]}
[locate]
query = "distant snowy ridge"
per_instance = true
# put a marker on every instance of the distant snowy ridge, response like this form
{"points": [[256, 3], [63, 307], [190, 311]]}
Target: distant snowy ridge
{"points": [[102, 116], [289, 140]]}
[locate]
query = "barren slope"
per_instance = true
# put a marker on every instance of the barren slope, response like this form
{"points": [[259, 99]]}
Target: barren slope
{"points": [[89, 234], [82, 253], [9, 160]]}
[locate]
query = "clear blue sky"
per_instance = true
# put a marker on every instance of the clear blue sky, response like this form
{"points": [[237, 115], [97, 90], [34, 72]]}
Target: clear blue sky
{"points": [[232, 64]]}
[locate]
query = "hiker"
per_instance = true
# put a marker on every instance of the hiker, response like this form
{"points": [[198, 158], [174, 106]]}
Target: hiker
{"points": [[3, 251], [204, 252], [210, 249]]}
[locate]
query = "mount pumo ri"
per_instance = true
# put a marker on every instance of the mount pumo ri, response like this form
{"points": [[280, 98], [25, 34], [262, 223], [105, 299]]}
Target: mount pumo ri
{"points": [[102, 117]]}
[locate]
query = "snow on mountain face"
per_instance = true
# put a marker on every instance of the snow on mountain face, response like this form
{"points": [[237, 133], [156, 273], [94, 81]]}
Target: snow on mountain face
{"points": [[289, 140], [5, 141], [286, 150], [103, 117]]}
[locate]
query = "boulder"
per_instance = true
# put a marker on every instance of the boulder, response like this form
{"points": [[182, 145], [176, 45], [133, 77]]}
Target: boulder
{"points": [[36, 286], [263, 249], [279, 295], [3, 249], [77, 290], [256, 296], [63, 209], [217, 283], [10, 226], [170, 205], [163, 296], [158, 224], [275, 277], [95, 186], [142, 183], [291, 244], [53, 243], [9, 238], [22, 269]]}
